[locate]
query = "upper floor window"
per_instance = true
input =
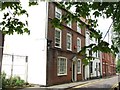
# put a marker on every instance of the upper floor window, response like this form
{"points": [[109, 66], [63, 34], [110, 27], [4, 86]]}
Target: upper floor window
{"points": [[69, 24], [58, 13], [58, 38], [69, 41], [78, 44], [78, 27], [62, 66], [79, 66]]}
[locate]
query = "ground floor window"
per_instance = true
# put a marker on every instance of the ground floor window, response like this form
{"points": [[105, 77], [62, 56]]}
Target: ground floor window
{"points": [[62, 66]]}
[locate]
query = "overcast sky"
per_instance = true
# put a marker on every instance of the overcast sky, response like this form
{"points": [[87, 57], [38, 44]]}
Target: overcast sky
{"points": [[104, 25]]}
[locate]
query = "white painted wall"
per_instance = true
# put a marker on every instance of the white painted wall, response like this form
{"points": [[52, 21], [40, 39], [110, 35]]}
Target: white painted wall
{"points": [[34, 45], [94, 74], [87, 72], [87, 43]]}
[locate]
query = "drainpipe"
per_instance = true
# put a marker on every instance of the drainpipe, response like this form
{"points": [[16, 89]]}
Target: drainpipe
{"points": [[1, 55], [48, 47]]}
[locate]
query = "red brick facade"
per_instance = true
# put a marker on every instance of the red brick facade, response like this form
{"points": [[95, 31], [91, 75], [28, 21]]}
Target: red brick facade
{"points": [[108, 64], [53, 53]]}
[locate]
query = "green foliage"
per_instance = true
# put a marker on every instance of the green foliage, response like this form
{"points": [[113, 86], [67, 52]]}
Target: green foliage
{"points": [[118, 66], [12, 82], [104, 9], [31, 3], [56, 23], [11, 23]]}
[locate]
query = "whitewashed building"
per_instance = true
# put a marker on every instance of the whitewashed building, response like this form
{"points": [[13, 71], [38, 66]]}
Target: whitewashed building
{"points": [[93, 69], [34, 46]]}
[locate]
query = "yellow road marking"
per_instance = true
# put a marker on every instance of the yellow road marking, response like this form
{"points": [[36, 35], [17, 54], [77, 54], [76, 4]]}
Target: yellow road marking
{"points": [[89, 83], [115, 85]]}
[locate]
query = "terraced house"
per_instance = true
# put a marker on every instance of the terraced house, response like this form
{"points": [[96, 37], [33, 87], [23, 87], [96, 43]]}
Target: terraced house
{"points": [[63, 63], [108, 64]]}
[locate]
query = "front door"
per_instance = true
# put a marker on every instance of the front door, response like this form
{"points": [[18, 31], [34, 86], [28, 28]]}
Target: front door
{"points": [[83, 72], [74, 75]]}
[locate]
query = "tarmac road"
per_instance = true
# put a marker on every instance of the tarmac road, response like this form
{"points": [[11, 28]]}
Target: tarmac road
{"points": [[103, 84], [98, 84]]}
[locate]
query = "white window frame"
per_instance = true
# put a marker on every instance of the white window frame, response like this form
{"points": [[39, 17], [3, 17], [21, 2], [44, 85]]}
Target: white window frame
{"points": [[58, 66], [59, 11], [69, 24], [79, 72], [56, 29], [68, 34], [78, 47], [78, 27]]}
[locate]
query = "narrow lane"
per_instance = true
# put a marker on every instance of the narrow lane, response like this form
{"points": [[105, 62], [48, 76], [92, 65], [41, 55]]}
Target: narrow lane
{"points": [[105, 84]]}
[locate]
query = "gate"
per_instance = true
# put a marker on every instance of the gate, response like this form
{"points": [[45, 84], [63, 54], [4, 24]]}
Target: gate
{"points": [[15, 65]]}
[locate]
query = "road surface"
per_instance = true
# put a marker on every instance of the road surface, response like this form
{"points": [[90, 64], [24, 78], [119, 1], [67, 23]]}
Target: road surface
{"points": [[103, 84]]}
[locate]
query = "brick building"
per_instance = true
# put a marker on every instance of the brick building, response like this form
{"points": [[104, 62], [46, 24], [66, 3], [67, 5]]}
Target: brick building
{"points": [[63, 63], [108, 64]]}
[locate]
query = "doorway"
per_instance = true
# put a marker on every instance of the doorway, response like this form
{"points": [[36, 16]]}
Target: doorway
{"points": [[74, 73], [83, 73]]}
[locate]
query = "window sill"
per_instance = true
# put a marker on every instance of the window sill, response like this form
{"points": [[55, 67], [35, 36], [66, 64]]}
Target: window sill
{"points": [[69, 49], [62, 74], [78, 72], [58, 47]]}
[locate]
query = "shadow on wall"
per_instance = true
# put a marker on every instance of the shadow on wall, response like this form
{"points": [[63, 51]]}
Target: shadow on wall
{"points": [[1, 49]]}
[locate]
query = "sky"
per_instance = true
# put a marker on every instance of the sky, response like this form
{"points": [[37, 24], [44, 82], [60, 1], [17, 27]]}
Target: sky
{"points": [[104, 25]]}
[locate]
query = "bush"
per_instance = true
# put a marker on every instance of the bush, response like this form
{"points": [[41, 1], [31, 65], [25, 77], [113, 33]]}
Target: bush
{"points": [[12, 82]]}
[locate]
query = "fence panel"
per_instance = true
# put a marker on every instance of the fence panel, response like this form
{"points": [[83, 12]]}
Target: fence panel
{"points": [[15, 65]]}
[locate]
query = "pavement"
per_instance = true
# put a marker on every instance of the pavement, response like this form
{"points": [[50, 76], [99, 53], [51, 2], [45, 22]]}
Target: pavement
{"points": [[72, 84]]}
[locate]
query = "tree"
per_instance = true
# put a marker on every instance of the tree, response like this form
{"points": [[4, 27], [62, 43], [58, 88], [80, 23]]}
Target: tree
{"points": [[10, 22], [83, 9], [118, 66]]}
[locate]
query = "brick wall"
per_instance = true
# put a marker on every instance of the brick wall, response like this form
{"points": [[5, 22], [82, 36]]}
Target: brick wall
{"points": [[54, 53], [108, 64]]}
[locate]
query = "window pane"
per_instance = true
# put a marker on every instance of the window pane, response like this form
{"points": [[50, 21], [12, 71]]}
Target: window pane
{"points": [[78, 66], [57, 34], [69, 24], [57, 38], [58, 13], [78, 44], [61, 66], [78, 27], [69, 42]]}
